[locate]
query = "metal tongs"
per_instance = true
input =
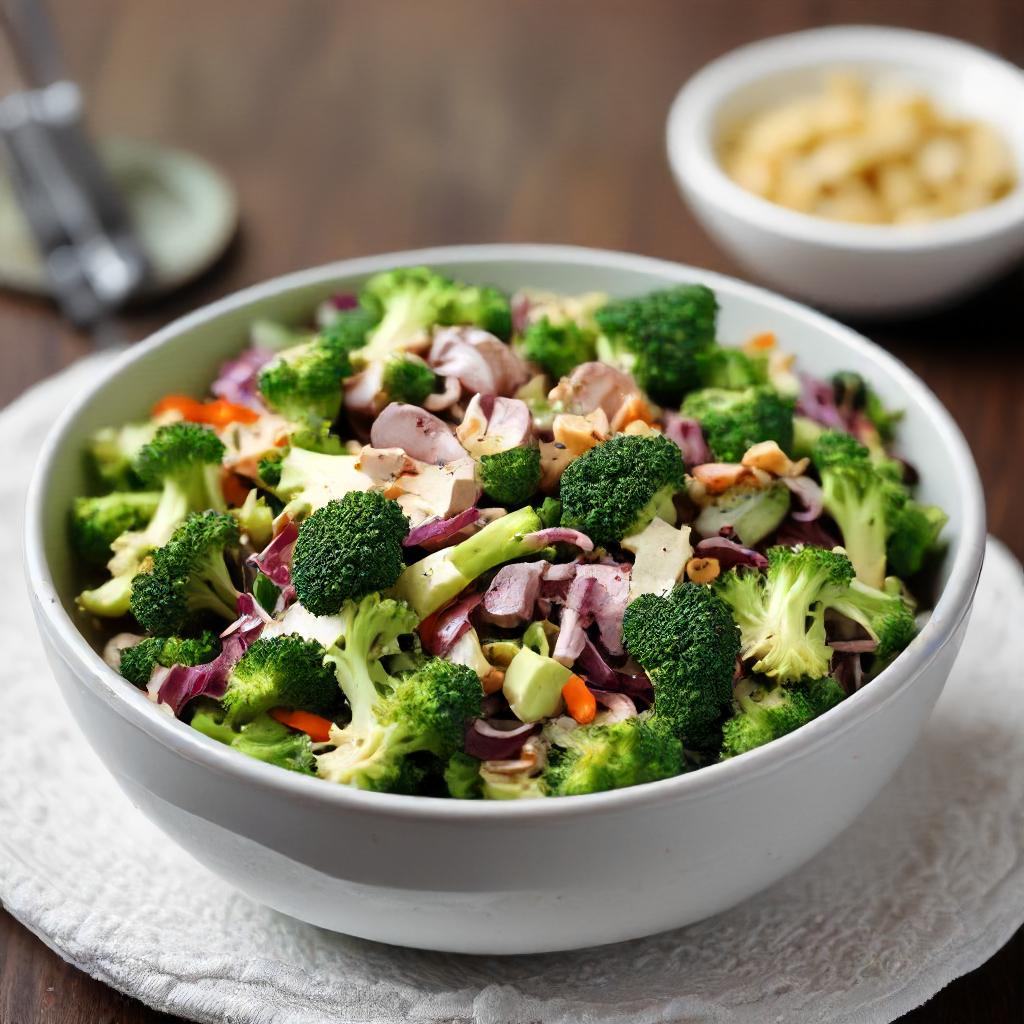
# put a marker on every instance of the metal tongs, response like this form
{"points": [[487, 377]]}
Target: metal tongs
{"points": [[92, 255]]}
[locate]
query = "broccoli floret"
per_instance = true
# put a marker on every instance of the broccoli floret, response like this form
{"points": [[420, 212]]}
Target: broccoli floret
{"points": [[112, 451], [824, 693], [350, 547], [394, 718], [687, 643], [184, 459], [595, 758], [914, 533], [782, 616], [188, 576], [462, 777], [304, 382], [346, 334], [410, 301], [269, 468], [732, 421], [97, 522], [264, 739], [753, 512], [887, 617], [557, 348], [407, 380], [730, 368], [550, 512], [137, 662], [511, 477], [806, 433], [863, 498], [615, 489], [658, 337], [280, 671], [434, 580]]}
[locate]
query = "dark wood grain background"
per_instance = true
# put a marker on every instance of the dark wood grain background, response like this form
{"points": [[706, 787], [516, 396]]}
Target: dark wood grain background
{"points": [[358, 127]]}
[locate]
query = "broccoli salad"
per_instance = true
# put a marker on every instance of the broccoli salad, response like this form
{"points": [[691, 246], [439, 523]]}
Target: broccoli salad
{"points": [[448, 542]]}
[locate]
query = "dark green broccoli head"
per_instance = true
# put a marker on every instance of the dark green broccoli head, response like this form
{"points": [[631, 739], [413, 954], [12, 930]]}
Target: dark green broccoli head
{"points": [[614, 490], [188, 576], [304, 382], [763, 713], [730, 368], [409, 301], [658, 338], [350, 547], [137, 662], [462, 777], [688, 644], [557, 348], [264, 738], [269, 468], [97, 522], [732, 421], [550, 512], [177, 451], [914, 532], [407, 380], [346, 334], [511, 477], [280, 671], [596, 758]]}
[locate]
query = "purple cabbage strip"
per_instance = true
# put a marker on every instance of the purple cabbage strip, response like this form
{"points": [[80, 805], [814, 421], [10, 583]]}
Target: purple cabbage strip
{"points": [[275, 560], [183, 683], [689, 438], [559, 535], [817, 401], [238, 379], [343, 301], [808, 492], [451, 625], [440, 529], [729, 553], [813, 534], [498, 739]]}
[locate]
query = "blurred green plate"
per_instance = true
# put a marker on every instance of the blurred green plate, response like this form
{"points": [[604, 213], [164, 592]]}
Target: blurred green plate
{"points": [[185, 213]]}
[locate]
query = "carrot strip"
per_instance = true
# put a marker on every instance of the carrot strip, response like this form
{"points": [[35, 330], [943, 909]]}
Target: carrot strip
{"points": [[579, 700], [218, 412], [234, 488], [318, 729]]}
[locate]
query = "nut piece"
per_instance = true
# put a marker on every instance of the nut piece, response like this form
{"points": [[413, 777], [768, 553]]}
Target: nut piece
{"points": [[703, 570], [768, 456]]}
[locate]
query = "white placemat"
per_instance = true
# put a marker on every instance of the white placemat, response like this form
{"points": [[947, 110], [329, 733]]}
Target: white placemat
{"points": [[926, 886]]}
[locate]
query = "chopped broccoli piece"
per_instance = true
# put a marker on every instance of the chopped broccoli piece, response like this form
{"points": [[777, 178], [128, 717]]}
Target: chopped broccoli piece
{"points": [[511, 477], [805, 436], [97, 522], [112, 452], [269, 468], [866, 501], [304, 382], [915, 532], [753, 512], [350, 547], [255, 519], [434, 580], [615, 489], [188, 576], [346, 334], [137, 662], [852, 391], [410, 301], [658, 337], [687, 643], [730, 368], [732, 421], [184, 459], [462, 777], [887, 617], [280, 671], [764, 713], [264, 739], [595, 758], [394, 718], [406, 379], [782, 616], [557, 348], [550, 512]]}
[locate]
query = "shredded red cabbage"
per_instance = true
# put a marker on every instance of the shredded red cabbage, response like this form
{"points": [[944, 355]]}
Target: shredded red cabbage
{"points": [[848, 671], [729, 553], [689, 437], [498, 739], [440, 529], [813, 534], [344, 300], [275, 560], [452, 623], [238, 379], [817, 401], [808, 493]]}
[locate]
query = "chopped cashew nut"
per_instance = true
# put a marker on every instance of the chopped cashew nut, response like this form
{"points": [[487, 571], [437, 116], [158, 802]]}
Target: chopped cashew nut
{"points": [[767, 455], [717, 477], [703, 570]]}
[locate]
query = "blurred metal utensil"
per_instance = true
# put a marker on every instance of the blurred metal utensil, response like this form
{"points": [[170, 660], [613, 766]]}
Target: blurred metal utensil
{"points": [[91, 251]]}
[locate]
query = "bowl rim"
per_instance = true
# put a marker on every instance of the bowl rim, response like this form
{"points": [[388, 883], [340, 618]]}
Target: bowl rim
{"points": [[696, 168], [91, 671]]}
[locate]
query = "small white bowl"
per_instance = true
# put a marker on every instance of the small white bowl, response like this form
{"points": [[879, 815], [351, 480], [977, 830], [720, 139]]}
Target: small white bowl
{"points": [[851, 268], [519, 876]]}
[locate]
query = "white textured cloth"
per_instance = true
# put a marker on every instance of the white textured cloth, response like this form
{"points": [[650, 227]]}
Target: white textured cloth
{"points": [[923, 888]]}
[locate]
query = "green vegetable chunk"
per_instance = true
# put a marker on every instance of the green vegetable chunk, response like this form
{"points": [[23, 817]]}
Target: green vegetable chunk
{"points": [[733, 421], [97, 522], [511, 477], [264, 739], [557, 348], [137, 662]]}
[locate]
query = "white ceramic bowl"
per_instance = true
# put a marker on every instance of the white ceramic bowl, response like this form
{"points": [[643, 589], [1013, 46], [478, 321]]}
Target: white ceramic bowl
{"points": [[852, 268], [500, 877]]}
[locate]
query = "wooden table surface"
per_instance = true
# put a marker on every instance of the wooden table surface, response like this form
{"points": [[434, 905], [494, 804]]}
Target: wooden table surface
{"points": [[358, 127]]}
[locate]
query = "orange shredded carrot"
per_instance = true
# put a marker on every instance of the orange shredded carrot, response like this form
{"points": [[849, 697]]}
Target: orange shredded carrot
{"points": [[316, 728], [234, 488], [216, 413], [761, 342], [579, 700]]}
